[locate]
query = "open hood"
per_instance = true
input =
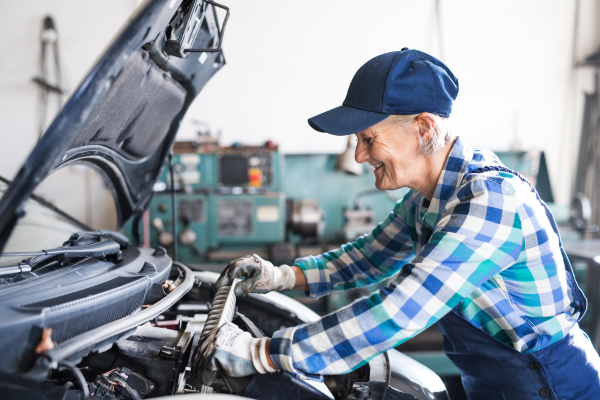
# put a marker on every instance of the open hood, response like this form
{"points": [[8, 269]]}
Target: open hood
{"points": [[123, 118]]}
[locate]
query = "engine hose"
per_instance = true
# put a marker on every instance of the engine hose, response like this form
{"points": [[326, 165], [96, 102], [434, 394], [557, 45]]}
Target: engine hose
{"points": [[221, 310], [78, 375]]}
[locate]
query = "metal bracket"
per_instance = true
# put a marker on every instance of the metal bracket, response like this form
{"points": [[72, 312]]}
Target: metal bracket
{"points": [[193, 21], [169, 353]]}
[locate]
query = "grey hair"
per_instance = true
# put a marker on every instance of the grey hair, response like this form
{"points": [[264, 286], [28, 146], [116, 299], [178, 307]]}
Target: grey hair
{"points": [[441, 132]]}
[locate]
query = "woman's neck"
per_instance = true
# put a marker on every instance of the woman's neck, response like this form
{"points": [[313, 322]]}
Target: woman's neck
{"points": [[432, 169]]}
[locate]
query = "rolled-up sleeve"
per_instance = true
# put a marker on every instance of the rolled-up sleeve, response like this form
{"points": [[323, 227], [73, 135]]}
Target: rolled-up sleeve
{"points": [[478, 235], [370, 259]]}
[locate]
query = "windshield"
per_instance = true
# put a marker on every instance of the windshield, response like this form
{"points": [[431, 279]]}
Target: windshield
{"points": [[40, 228]]}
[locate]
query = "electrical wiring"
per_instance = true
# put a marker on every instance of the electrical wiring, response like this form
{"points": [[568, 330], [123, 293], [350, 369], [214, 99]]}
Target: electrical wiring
{"points": [[172, 285], [113, 380], [116, 378]]}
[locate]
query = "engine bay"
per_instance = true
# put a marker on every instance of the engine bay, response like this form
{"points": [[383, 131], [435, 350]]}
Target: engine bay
{"points": [[155, 359]]}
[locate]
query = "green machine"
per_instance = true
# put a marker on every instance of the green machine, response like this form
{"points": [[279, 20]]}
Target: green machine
{"points": [[227, 203]]}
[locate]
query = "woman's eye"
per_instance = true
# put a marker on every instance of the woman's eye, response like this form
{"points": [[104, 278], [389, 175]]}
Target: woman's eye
{"points": [[367, 140]]}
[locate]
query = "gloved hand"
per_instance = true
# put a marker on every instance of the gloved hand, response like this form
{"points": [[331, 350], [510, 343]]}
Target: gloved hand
{"points": [[236, 353], [260, 276]]}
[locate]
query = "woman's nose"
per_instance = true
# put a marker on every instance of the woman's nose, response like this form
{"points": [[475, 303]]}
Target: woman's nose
{"points": [[361, 154]]}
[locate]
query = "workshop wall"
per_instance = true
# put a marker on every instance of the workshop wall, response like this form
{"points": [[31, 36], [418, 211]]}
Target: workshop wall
{"points": [[292, 60], [287, 61], [84, 28]]}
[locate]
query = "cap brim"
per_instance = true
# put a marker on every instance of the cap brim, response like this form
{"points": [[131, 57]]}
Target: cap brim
{"points": [[344, 120]]}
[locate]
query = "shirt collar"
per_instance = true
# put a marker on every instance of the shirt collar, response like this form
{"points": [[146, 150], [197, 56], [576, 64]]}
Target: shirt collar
{"points": [[452, 174]]}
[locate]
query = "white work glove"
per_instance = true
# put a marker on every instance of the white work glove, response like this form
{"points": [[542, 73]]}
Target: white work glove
{"points": [[235, 353], [260, 276]]}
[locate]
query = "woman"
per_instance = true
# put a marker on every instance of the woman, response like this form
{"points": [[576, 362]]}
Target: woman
{"points": [[476, 251]]}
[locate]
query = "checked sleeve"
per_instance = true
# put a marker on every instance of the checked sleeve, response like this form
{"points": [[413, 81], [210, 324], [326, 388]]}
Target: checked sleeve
{"points": [[477, 236], [370, 259]]}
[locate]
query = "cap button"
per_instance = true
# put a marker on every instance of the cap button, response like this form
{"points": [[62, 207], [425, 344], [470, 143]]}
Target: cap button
{"points": [[404, 48]]}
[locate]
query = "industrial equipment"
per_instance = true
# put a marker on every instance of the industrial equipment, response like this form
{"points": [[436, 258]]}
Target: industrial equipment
{"points": [[358, 221], [228, 203]]}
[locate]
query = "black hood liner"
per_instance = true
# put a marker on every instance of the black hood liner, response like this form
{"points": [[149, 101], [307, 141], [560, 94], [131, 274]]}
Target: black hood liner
{"points": [[135, 116], [123, 118]]}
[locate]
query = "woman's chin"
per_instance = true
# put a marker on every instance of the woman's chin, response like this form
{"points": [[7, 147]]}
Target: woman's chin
{"points": [[386, 185], [381, 185]]}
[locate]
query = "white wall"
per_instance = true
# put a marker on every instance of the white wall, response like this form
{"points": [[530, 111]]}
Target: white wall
{"points": [[85, 28], [287, 61]]}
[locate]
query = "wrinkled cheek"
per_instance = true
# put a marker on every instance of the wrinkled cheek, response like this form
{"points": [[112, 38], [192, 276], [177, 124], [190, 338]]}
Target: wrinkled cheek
{"points": [[389, 176]]}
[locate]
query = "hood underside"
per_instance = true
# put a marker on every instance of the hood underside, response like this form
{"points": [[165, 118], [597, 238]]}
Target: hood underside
{"points": [[123, 118]]}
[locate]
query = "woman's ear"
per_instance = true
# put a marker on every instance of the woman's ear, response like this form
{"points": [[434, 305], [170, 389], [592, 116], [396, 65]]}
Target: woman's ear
{"points": [[426, 124]]}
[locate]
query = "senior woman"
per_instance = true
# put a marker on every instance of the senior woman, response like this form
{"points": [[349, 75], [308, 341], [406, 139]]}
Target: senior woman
{"points": [[477, 252]]}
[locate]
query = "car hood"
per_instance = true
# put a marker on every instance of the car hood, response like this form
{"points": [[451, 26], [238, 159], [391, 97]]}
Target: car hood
{"points": [[123, 118]]}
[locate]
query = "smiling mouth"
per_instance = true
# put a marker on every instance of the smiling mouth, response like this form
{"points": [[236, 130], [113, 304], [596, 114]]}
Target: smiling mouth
{"points": [[377, 166]]}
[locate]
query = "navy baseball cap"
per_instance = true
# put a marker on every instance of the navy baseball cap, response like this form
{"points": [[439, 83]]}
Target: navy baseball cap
{"points": [[401, 82]]}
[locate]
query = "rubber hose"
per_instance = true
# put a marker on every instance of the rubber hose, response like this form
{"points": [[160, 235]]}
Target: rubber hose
{"points": [[219, 308], [80, 379]]}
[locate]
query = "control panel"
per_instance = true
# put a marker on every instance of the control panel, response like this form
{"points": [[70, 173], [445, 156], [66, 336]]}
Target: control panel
{"points": [[228, 203]]}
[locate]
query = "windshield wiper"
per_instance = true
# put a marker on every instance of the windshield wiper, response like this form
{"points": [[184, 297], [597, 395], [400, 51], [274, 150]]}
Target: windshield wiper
{"points": [[77, 237], [15, 269], [79, 245], [100, 249]]}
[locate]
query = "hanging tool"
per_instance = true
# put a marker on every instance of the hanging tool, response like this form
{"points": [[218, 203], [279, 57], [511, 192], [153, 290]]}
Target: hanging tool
{"points": [[56, 86]]}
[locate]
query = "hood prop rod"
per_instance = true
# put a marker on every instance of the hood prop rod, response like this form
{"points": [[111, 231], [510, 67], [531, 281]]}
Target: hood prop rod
{"points": [[173, 207]]}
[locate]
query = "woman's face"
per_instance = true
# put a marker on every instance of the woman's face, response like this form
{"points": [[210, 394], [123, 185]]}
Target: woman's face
{"points": [[394, 153]]}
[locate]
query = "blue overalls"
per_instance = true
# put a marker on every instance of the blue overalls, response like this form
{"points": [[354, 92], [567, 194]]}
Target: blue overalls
{"points": [[568, 369]]}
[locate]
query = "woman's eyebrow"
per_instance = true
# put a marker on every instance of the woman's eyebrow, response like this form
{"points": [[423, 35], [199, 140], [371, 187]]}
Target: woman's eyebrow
{"points": [[366, 132]]}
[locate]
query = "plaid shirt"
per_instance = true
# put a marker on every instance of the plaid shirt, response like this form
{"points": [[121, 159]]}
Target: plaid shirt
{"points": [[484, 243]]}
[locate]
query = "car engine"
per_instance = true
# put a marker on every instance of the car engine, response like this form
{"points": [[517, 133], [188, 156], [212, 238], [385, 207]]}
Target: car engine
{"points": [[155, 359]]}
